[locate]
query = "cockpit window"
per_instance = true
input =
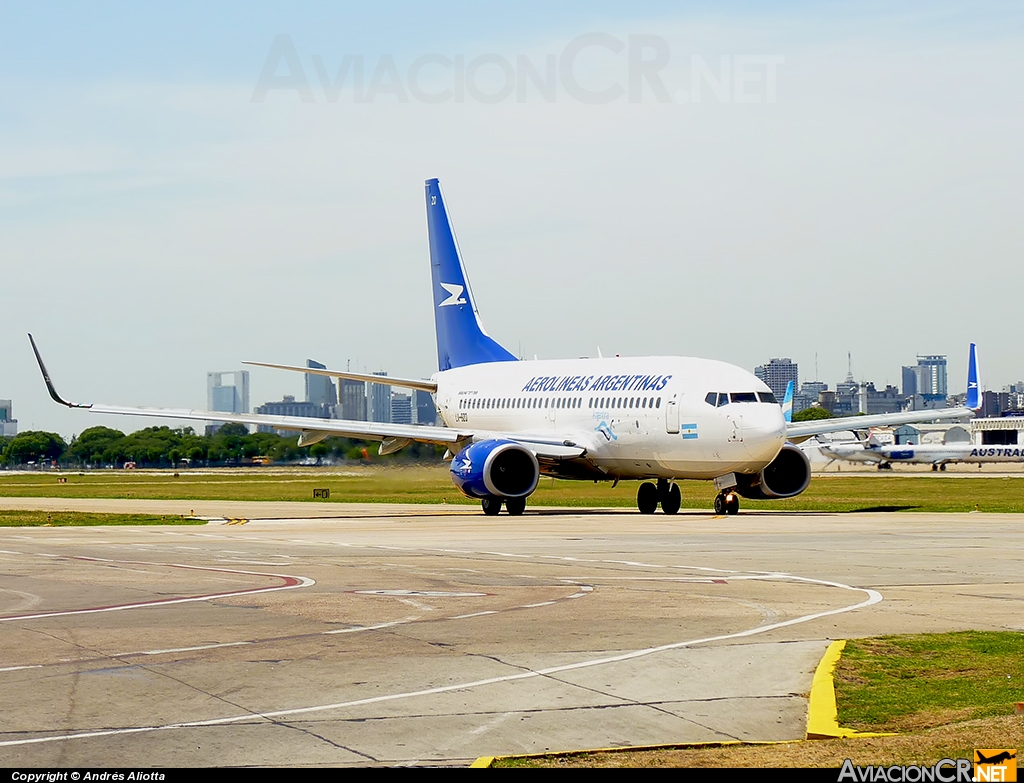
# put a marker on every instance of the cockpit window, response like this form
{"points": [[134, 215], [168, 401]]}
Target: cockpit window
{"points": [[743, 397], [768, 397], [711, 399], [723, 399]]}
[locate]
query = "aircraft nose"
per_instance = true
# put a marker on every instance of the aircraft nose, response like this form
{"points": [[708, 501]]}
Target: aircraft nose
{"points": [[764, 432]]}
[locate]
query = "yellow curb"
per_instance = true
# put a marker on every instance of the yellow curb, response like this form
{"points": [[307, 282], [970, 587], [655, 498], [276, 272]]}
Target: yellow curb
{"points": [[488, 761], [822, 713]]}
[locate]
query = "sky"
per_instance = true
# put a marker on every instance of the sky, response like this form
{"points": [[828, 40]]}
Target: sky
{"points": [[184, 186]]}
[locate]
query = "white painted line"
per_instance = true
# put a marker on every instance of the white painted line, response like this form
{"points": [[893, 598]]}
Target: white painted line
{"points": [[371, 627], [18, 668], [475, 614], [181, 649], [873, 597], [504, 554], [534, 606]]}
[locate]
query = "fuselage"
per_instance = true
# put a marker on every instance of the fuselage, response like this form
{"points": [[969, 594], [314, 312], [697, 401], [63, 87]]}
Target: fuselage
{"points": [[645, 417]]}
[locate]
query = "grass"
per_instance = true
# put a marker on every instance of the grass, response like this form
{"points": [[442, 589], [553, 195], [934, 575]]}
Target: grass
{"points": [[76, 519], [431, 484], [946, 694], [894, 683]]}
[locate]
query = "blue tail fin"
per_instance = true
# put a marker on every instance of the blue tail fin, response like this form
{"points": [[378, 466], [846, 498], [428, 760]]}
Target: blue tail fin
{"points": [[973, 384], [461, 339], [787, 403]]}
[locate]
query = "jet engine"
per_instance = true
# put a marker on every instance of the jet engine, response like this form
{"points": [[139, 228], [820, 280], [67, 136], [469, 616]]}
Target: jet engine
{"points": [[786, 476], [495, 468]]}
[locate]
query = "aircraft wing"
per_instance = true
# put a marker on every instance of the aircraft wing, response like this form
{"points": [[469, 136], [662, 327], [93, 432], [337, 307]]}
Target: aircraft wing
{"points": [[392, 436], [386, 380], [801, 430]]}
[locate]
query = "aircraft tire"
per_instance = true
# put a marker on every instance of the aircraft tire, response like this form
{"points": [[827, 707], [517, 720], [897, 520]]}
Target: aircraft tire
{"points": [[515, 506], [491, 506], [720, 503], [732, 503], [647, 498], [671, 500]]}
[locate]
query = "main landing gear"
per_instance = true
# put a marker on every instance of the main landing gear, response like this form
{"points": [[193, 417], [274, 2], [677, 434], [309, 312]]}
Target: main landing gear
{"points": [[514, 506], [649, 496], [727, 502]]}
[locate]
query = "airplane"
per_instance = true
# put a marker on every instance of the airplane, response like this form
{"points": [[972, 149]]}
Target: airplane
{"points": [[938, 455], [655, 419]]}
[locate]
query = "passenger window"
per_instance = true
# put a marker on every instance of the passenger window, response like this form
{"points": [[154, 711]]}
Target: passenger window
{"points": [[659, 403]]}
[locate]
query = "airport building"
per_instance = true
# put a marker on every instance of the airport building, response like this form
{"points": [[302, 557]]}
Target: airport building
{"points": [[1001, 431], [8, 424]]}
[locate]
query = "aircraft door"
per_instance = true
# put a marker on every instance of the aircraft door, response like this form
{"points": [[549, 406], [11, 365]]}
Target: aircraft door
{"points": [[672, 414]]}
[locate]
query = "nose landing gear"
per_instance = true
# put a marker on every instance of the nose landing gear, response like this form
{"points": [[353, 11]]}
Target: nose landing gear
{"points": [[727, 503]]}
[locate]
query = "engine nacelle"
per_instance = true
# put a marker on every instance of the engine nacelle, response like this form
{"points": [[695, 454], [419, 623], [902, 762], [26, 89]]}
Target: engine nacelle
{"points": [[786, 476], [496, 468]]}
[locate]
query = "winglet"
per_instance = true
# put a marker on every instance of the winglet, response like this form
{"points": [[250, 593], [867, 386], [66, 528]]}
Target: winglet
{"points": [[973, 384], [46, 379], [787, 403]]}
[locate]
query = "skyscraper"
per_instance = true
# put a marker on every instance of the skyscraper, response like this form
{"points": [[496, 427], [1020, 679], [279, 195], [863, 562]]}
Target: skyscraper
{"points": [[424, 411], [319, 388], [379, 398], [8, 424], [228, 398], [777, 374], [401, 408], [927, 378], [353, 400]]}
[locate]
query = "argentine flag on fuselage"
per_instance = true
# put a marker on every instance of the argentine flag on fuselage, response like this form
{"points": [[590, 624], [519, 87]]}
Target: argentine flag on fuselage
{"points": [[461, 339]]}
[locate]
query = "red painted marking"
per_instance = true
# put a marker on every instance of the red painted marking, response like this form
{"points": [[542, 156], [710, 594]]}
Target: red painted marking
{"points": [[287, 582]]}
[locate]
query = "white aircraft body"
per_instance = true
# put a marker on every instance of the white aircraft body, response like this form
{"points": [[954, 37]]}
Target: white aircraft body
{"points": [[658, 419], [938, 455]]}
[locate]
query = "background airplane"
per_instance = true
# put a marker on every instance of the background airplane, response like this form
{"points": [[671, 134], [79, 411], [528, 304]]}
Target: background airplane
{"points": [[938, 455], [656, 419]]}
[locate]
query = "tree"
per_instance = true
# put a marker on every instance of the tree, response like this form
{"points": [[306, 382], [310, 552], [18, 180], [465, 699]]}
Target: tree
{"points": [[96, 445], [33, 446], [813, 413]]}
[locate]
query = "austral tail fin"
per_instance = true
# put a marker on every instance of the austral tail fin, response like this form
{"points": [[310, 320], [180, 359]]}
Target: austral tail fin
{"points": [[461, 339], [787, 403], [973, 382]]}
